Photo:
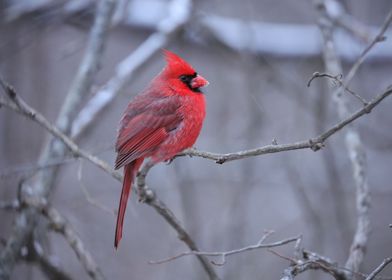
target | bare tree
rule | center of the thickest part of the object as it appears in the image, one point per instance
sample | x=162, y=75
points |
x=36, y=213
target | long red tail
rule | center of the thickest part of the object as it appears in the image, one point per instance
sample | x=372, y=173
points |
x=129, y=174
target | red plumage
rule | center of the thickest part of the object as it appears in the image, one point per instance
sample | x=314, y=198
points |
x=158, y=123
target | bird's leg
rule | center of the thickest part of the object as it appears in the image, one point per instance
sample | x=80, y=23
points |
x=145, y=194
x=170, y=160
x=185, y=152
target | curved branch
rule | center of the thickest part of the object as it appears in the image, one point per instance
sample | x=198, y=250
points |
x=314, y=143
x=223, y=255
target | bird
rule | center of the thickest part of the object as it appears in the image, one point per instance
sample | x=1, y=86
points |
x=161, y=121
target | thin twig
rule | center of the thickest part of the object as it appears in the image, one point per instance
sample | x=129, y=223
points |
x=315, y=75
x=338, y=79
x=224, y=254
x=290, y=259
x=379, y=38
x=379, y=268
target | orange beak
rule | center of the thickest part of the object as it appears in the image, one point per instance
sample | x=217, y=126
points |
x=199, y=82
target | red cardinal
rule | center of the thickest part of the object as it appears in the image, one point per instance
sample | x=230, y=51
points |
x=161, y=121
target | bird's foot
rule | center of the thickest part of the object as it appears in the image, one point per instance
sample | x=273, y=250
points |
x=170, y=160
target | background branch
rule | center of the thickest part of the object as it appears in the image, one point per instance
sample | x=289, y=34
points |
x=353, y=143
x=48, y=265
x=223, y=255
x=60, y=225
x=378, y=269
x=27, y=219
x=336, y=13
x=380, y=37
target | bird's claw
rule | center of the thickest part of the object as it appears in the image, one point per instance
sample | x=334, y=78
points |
x=170, y=160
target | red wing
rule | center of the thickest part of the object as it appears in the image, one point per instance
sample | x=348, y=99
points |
x=142, y=129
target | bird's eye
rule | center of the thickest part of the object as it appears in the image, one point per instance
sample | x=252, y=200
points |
x=187, y=78
x=184, y=78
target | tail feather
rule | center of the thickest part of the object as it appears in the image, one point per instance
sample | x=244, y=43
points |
x=129, y=175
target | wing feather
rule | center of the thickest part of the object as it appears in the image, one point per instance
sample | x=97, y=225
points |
x=143, y=129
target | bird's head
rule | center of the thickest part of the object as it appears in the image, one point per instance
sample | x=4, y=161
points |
x=181, y=76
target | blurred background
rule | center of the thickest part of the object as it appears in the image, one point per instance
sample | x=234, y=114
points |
x=258, y=56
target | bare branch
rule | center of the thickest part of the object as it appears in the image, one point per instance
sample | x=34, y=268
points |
x=353, y=143
x=379, y=268
x=379, y=38
x=26, y=220
x=337, y=14
x=223, y=255
x=90, y=63
x=59, y=224
x=315, y=143
x=179, y=15
x=338, y=80
x=24, y=109
x=311, y=261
